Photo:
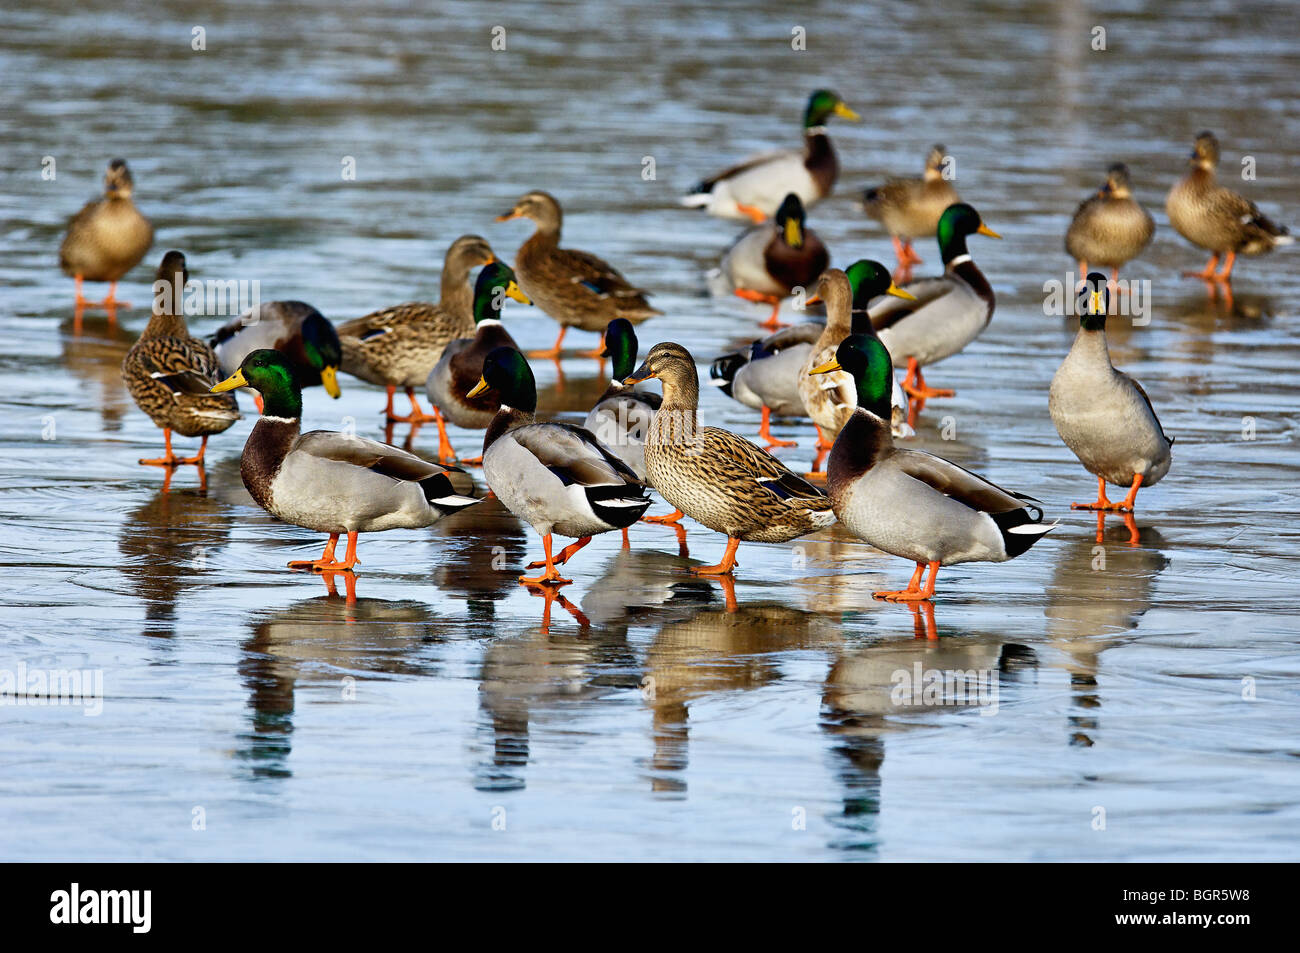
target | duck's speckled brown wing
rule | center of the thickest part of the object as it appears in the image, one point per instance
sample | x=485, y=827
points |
x=170, y=379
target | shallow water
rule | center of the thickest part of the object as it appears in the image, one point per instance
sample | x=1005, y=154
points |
x=439, y=716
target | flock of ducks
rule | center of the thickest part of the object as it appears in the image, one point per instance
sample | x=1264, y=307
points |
x=580, y=481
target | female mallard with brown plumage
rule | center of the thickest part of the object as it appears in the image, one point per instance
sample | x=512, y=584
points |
x=1109, y=228
x=910, y=503
x=556, y=477
x=398, y=346
x=716, y=477
x=452, y=384
x=302, y=334
x=754, y=189
x=335, y=483
x=170, y=374
x=769, y=261
x=107, y=238
x=945, y=314
x=910, y=208
x=574, y=287
x=1216, y=218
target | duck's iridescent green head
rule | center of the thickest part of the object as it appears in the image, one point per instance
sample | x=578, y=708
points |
x=620, y=347
x=790, y=220
x=269, y=373
x=1093, y=302
x=823, y=104
x=324, y=352
x=869, y=280
x=506, y=370
x=495, y=283
x=958, y=221
x=866, y=360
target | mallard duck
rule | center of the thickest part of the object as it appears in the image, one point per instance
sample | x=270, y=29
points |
x=556, y=477
x=1103, y=415
x=910, y=208
x=766, y=375
x=944, y=314
x=107, y=238
x=1110, y=228
x=910, y=503
x=716, y=477
x=295, y=329
x=574, y=287
x=829, y=399
x=335, y=483
x=755, y=188
x=1216, y=218
x=769, y=261
x=398, y=346
x=452, y=384
x=169, y=374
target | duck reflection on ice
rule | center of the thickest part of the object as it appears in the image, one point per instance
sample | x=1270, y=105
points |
x=1096, y=596
x=324, y=641
x=870, y=691
x=96, y=358
x=485, y=545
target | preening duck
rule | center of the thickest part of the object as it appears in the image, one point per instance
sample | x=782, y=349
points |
x=1215, y=218
x=452, y=384
x=335, y=483
x=910, y=208
x=556, y=477
x=945, y=314
x=302, y=334
x=716, y=477
x=107, y=238
x=398, y=346
x=574, y=287
x=1103, y=415
x=1110, y=228
x=910, y=503
x=170, y=374
x=755, y=188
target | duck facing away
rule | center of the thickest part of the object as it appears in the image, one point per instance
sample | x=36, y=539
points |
x=716, y=477
x=398, y=346
x=107, y=238
x=755, y=188
x=453, y=383
x=556, y=477
x=170, y=374
x=944, y=314
x=910, y=208
x=1109, y=228
x=1103, y=415
x=909, y=503
x=302, y=334
x=1213, y=217
x=770, y=260
x=335, y=483
x=574, y=287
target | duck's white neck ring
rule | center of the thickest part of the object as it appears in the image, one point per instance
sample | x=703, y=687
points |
x=959, y=260
x=814, y=131
x=489, y=322
x=280, y=420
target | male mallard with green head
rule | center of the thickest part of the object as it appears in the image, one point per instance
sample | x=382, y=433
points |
x=1221, y=221
x=452, y=384
x=1103, y=415
x=910, y=208
x=910, y=503
x=170, y=374
x=1109, y=228
x=715, y=477
x=335, y=483
x=574, y=287
x=770, y=260
x=398, y=346
x=107, y=238
x=754, y=189
x=302, y=334
x=556, y=477
x=944, y=314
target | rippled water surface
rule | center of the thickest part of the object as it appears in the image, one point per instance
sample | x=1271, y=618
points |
x=1151, y=691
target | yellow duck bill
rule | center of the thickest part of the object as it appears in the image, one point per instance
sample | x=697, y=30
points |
x=479, y=388
x=330, y=381
x=831, y=365
x=236, y=379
